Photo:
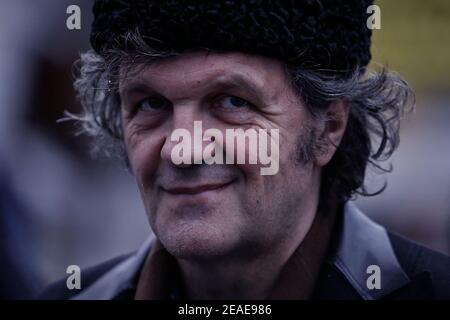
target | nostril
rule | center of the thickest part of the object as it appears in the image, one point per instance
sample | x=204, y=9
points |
x=183, y=165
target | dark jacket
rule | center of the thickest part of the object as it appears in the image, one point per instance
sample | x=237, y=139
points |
x=407, y=270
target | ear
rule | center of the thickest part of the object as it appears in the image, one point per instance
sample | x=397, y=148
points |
x=332, y=130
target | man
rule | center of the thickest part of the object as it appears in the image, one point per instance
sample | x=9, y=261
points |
x=295, y=73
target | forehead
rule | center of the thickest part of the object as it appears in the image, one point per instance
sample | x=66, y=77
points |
x=197, y=69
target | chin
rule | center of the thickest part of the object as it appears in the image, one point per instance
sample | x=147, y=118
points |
x=197, y=240
x=198, y=231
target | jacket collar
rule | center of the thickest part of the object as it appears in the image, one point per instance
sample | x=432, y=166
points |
x=362, y=243
x=119, y=278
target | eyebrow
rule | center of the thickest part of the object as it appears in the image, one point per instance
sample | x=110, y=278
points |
x=234, y=81
x=134, y=86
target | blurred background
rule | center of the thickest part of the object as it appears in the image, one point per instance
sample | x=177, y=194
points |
x=58, y=206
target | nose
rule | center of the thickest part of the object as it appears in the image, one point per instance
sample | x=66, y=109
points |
x=185, y=140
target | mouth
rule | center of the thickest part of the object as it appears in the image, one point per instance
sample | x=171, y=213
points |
x=197, y=189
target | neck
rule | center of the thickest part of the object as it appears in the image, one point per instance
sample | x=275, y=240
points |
x=231, y=279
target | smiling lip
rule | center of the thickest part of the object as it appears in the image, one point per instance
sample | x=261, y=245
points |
x=191, y=190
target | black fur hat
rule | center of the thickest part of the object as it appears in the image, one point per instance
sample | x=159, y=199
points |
x=320, y=34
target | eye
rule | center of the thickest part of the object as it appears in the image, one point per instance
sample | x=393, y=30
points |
x=232, y=102
x=153, y=104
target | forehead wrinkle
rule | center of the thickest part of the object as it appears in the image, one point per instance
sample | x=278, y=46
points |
x=211, y=80
x=252, y=68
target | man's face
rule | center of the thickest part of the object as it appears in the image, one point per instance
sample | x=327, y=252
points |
x=206, y=211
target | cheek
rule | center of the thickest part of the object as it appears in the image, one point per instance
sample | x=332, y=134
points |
x=144, y=155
